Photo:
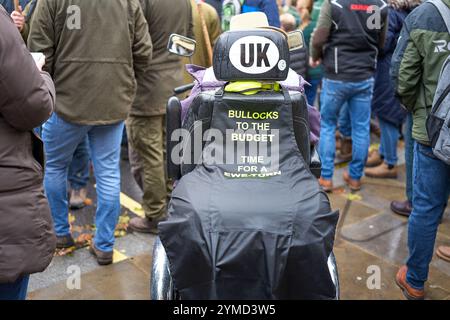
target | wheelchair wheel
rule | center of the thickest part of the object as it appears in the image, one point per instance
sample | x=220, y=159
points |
x=161, y=283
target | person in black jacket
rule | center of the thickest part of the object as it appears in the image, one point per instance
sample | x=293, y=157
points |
x=346, y=41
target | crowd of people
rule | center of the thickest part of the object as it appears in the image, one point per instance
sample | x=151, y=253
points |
x=113, y=75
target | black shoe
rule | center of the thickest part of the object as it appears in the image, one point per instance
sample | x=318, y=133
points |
x=64, y=242
x=103, y=258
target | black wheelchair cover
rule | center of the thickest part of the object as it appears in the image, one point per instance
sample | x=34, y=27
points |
x=261, y=235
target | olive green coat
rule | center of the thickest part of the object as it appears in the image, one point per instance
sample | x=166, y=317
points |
x=95, y=50
x=164, y=17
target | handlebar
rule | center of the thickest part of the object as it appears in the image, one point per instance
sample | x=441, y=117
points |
x=183, y=89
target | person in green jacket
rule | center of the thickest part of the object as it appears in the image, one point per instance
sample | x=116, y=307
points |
x=147, y=122
x=97, y=53
x=79, y=167
x=423, y=46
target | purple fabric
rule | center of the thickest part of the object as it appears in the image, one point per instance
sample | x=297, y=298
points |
x=198, y=73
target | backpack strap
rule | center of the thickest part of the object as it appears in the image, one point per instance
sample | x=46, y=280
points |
x=443, y=10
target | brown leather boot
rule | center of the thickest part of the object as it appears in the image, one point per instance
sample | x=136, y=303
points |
x=103, y=258
x=327, y=185
x=144, y=225
x=382, y=172
x=374, y=159
x=354, y=185
x=403, y=208
x=443, y=252
x=409, y=292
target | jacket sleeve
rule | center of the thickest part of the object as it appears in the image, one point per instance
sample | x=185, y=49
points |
x=322, y=31
x=42, y=37
x=270, y=8
x=384, y=30
x=27, y=98
x=406, y=70
x=142, y=44
x=392, y=32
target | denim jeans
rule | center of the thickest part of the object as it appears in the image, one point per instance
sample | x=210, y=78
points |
x=344, y=122
x=79, y=168
x=61, y=138
x=335, y=94
x=389, y=140
x=311, y=91
x=430, y=195
x=16, y=290
x=409, y=156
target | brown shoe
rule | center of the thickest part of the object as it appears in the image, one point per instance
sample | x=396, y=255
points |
x=78, y=198
x=409, y=292
x=144, y=225
x=374, y=159
x=403, y=208
x=103, y=258
x=64, y=242
x=354, y=185
x=443, y=252
x=327, y=185
x=382, y=171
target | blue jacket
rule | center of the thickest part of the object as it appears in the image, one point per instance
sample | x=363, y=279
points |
x=385, y=104
x=9, y=4
x=269, y=7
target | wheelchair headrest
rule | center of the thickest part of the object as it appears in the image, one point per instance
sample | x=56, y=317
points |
x=257, y=54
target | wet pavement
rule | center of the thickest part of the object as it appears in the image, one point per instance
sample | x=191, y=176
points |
x=371, y=244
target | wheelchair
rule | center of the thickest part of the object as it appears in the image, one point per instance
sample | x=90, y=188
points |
x=258, y=226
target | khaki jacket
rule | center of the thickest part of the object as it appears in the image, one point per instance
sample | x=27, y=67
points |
x=96, y=51
x=164, y=17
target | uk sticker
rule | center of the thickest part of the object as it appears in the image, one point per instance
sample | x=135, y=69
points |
x=254, y=55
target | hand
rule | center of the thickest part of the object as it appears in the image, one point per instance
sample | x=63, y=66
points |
x=314, y=63
x=18, y=19
x=40, y=63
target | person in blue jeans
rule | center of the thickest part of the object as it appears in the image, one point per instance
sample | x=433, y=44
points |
x=61, y=139
x=431, y=190
x=349, y=58
x=415, y=71
x=97, y=73
x=357, y=96
x=386, y=106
